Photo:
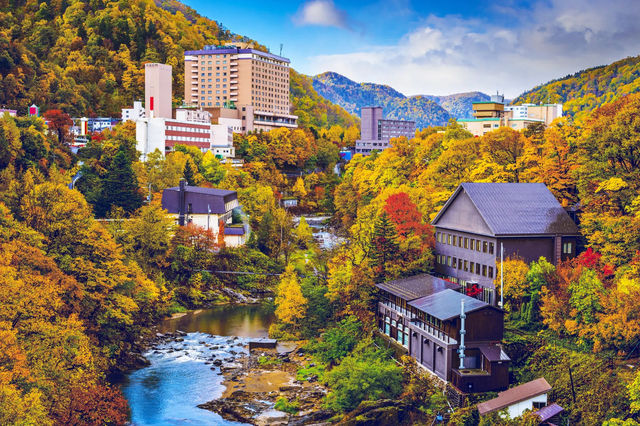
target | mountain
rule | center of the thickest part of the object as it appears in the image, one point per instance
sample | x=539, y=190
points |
x=459, y=104
x=426, y=110
x=590, y=88
x=87, y=58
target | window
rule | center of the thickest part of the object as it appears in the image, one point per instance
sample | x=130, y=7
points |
x=454, y=239
x=455, y=263
x=460, y=242
x=567, y=248
x=472, y=244
x=466, y=266
x=449, y=260
x=438, y=259
x=466, y=242
x=484, y=270
x=438, y=237
x=478, y=245
x=449, y=238
x=471, y=267
x=485, y=246
x=490, y=248
x=477, y=269
x=490, y=271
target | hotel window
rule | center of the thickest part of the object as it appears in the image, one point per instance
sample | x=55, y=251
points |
x=454, y=263
x=485, y=246
x=490, y=271
x=491, y=248
x=460, y=242
x=471, y=267
x=466, y=242
x=449, y=239
x=478, y=245
x=449, y=260
x=484, y=270
x=466, y=266
x=477, y=269
x=454, y=240
x=438, y=236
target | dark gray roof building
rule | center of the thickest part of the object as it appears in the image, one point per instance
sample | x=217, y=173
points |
x=514, y=209
x=200, y=199
x=416, y=286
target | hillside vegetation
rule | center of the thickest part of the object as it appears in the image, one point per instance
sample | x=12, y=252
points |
x=425, y=110
x=87, y=58
x=588, y=89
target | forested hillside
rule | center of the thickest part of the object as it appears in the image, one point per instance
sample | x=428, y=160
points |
x=86, y=58
x=425, y=110
x=588, y=89
x=353, y=96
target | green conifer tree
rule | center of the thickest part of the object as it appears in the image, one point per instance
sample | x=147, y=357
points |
x=119, y=187
x=384, y=246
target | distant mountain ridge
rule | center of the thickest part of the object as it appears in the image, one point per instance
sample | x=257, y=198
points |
x=425, y=110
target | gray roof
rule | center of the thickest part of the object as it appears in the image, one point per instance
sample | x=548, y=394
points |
x=514, y=395
x=516, y=208
x=201, y=199
x=445, y=304
x=417, y=286
x=235, y=230
x=493, y=353
x=545, y=413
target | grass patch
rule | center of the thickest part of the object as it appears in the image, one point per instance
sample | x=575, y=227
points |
x=268, y=361
x=283, y=404
x=304, y=373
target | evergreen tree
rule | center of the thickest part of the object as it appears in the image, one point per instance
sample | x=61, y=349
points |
x=188, y=173
x=384, y=246
x=119, y=186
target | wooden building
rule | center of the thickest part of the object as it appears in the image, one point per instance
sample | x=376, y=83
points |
x=479, y=218
x=423, y=314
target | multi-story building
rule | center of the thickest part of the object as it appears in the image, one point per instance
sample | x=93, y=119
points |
x=165, y=133
x=133, y=114
x=252, y=83
x=454, y=336
x=209, y=208
x=493, y=114
x=480, y=218
x=158, y=90
x=376, y=131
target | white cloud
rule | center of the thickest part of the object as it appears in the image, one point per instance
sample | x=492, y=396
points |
x=451, y=54
x=322, y=13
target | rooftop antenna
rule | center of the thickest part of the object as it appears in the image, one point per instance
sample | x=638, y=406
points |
x=280, y=50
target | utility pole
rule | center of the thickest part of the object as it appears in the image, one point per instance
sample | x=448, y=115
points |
x=501, y=276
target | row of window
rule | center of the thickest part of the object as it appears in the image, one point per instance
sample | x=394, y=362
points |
x=186, y=138
x=465, y=242
x=465, y=265
x=187, y=129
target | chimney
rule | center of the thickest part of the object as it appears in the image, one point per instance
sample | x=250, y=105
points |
x=181, y=202
x=463, y=331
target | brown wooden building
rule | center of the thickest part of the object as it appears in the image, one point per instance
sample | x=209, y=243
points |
x=423, y=314
x=479, y=218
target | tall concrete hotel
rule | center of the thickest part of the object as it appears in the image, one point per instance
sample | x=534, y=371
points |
x=239, y=82
x=376, y=131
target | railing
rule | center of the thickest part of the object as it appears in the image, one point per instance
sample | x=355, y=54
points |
x=432, y=331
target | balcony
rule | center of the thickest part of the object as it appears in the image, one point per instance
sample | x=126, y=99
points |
x=429, y=330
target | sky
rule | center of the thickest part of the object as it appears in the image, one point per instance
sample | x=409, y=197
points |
x=438, y=47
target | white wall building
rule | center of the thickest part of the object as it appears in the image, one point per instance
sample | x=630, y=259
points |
x=133, y=114
x=515, y=401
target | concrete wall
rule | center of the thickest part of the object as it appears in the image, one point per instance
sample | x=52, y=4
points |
x=517, y=409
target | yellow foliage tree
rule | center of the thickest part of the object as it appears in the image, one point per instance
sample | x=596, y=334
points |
x=291, y=305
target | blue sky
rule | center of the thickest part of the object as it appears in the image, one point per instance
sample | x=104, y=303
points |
x=439, y=47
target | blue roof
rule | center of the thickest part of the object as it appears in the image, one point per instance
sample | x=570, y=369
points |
x=446, y=305
x=516, y=208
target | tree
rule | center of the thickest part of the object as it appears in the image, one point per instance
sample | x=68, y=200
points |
x=539, y=275
x=290, y=303
x=303, y=232
x=119, y=186
x=384, y=246
x=59, y=123
x=339, y=340
x=189, y=174
x=299, y=190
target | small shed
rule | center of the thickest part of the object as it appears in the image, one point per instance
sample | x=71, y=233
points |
x=527, y=396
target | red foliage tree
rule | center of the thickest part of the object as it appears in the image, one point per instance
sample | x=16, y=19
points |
x=92, y=405
x=59, y=123
x=407, y=218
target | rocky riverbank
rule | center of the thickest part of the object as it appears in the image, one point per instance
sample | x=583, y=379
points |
x=257, y=381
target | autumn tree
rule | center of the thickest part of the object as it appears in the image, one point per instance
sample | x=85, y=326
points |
x=291, y=305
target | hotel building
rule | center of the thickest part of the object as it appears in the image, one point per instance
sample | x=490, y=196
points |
x=376, y=131
x=250, y=84
x=493, y=114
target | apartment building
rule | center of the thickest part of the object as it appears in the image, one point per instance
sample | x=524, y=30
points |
x=252, y=83
x=480, y=218
x=158, y=90
x=376, y=131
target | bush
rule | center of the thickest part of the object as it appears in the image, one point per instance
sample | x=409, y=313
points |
x=367, y=374
x=283, y=404
x=338, y=341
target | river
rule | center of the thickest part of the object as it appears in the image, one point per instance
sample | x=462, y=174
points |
x=181, y=374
